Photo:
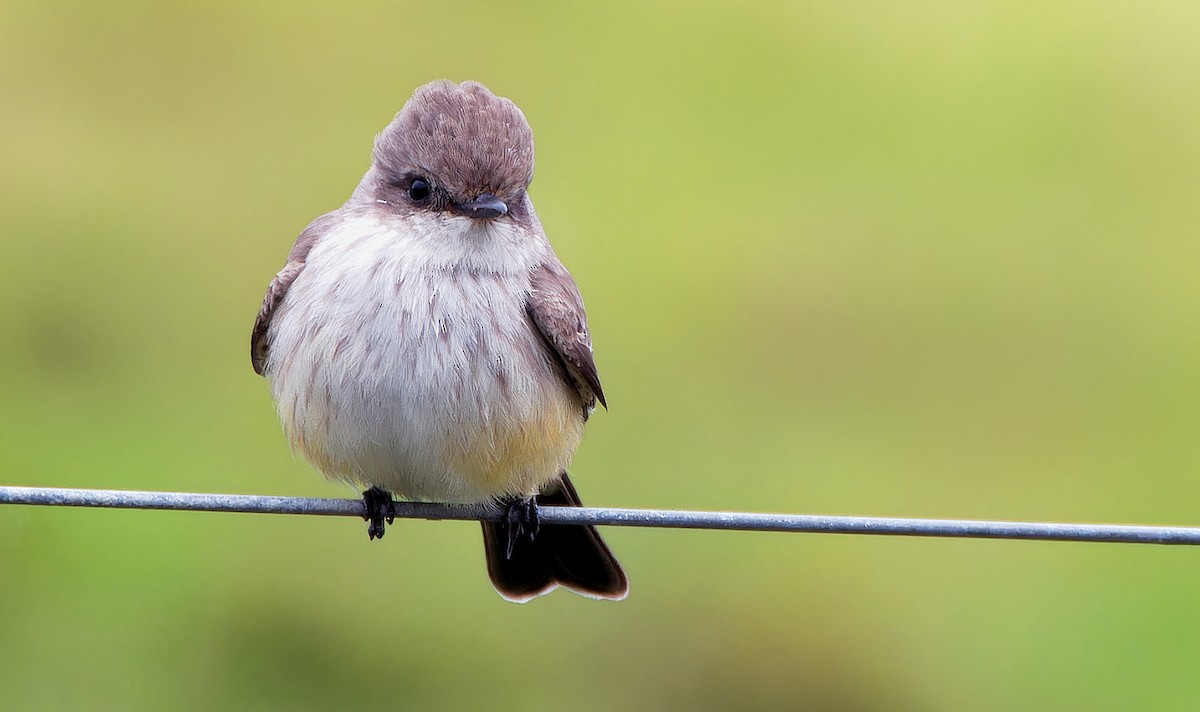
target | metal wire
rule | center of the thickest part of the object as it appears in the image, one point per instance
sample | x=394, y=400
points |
x=744, y=521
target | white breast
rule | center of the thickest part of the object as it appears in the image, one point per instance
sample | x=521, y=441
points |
x=404, y=359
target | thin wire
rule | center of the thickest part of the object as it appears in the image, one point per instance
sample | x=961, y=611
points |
x=744, y=521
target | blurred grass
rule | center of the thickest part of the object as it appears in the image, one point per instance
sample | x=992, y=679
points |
x=917, y=259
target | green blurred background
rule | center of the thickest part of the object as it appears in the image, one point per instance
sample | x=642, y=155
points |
x=914, y=259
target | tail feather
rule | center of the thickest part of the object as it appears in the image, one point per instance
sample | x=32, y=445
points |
x=559, y=555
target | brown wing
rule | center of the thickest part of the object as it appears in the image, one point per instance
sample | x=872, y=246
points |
x=556, y=310
x=259, y=346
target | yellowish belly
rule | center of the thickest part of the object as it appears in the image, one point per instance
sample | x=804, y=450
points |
x=519, y=457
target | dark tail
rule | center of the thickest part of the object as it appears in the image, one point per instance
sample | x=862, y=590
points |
x=560, y=555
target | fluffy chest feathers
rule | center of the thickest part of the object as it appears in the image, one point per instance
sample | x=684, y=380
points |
x=405, y=359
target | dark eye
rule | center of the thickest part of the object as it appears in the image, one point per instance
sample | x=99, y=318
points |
x=418, y=189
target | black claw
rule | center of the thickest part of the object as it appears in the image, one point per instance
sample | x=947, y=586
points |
x=378, y=509
x=521, y=516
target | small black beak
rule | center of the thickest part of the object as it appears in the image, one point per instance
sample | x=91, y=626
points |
x=485, y=206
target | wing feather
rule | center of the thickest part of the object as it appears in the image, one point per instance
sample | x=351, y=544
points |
x=277, y=290
x=556, y=310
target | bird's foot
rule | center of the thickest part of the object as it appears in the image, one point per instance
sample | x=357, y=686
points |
x=521, y=516
x=378, y=510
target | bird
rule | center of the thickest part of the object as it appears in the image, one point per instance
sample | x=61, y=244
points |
x=424, y=341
